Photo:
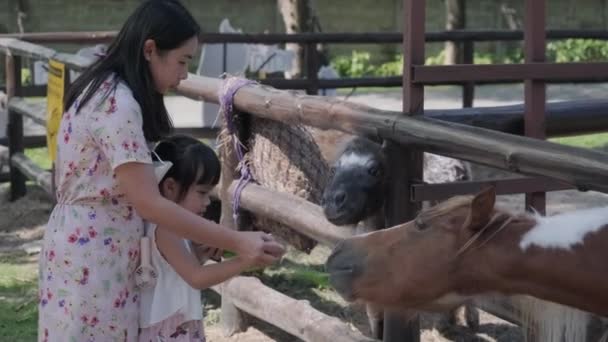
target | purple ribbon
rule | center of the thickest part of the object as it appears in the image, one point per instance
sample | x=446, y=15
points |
x=226, y=93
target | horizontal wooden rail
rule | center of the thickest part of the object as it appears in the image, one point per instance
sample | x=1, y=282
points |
x=34, y=111
x=433, y=192
x=25, y=49
x=33, y=172
x=296, y=317
x=333, y=37
x=29, y=141
x=551, y=72
x=74, y=62
x=293, y=211
x=582, y=168
x=563, y=118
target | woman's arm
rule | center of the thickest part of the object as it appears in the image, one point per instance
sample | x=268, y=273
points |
x=139, y=184
x=185, y=264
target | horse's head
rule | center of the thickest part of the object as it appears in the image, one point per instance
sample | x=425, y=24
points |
x=416, y=264
x=357, y=187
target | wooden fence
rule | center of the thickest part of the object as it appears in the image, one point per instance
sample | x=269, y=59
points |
x=566, y=166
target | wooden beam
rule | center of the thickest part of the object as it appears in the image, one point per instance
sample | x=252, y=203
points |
x=15, y=125
x=296, y=317
x=535, y=89
x=34, y=111
x=293, y=211
x=32, y=171
x=563, y=118
x=551, y=72
x=24, y=49
x=89, y=37
x=405, y=162
x=29, y=141
x=434, y=192
x=72, y=61
x=582, y=168
x=64, y=37
x=232, y=319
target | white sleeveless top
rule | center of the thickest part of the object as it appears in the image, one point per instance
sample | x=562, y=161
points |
x=171, y=294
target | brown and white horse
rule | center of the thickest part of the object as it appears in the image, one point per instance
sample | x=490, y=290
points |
x=466, y=246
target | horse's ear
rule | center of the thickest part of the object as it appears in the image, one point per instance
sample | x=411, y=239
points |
x=481, y=209
x=384, y=146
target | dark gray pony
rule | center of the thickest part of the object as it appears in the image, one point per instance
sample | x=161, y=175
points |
x=355, y=193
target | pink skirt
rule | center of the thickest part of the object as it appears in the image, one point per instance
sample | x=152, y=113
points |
x=173, y=329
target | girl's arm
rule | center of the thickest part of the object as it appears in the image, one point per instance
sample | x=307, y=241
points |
x=138, y=182
x=185, y=264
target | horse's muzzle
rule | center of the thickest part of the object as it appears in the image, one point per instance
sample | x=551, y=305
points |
x=344, y=265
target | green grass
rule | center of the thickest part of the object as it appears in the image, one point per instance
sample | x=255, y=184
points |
x=40, y=156
x=297, y=275
x=18, y=299
x=598, y=140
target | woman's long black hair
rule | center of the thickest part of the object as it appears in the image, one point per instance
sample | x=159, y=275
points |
x=169, y=24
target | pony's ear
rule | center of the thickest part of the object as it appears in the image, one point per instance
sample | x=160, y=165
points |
x=481, y=209
x=384, y=146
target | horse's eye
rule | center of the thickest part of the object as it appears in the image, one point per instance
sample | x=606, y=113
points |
x=420, y=225
x=374, y=170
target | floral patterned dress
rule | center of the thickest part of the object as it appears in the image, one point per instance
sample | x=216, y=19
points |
x=91, y=243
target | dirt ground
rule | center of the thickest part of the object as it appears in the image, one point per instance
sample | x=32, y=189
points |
x=22, y=226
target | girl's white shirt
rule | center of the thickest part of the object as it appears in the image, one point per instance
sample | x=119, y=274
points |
x=170, y=294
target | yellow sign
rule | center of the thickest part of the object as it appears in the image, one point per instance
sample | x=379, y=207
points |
x=54, y=104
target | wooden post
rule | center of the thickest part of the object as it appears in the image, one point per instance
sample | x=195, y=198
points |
x=534, y=91
x=15, y=125
x=312, y=66
x=468, y=89
x=233, y=320
x=405, y=163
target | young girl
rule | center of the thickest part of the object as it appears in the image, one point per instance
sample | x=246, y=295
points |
x=170, y=309
x=106, y=185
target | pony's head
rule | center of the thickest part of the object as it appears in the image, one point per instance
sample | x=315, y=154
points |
x=357, y=187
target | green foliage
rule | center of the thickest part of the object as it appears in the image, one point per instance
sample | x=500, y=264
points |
x=26, y=77
x=391, y=68
x=577, y=50
x=356, y=65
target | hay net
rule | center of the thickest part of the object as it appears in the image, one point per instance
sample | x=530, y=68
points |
x=280, y=156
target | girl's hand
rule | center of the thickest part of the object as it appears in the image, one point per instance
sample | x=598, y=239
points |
x=260, y=248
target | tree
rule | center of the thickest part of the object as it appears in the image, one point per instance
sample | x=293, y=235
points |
x=298, y=16
x=455, y=19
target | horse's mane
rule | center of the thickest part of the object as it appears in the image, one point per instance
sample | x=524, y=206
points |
x=447, y=206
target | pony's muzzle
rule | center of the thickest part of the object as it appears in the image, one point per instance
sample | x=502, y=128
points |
x=344, y=265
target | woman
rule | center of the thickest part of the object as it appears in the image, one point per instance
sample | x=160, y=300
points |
x=106, y=185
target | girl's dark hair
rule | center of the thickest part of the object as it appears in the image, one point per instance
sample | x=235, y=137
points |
x=193, y=162
x=169, y=24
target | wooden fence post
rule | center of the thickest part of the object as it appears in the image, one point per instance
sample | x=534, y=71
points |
x=233, y=320
x=312, y=67
x=231, y=317
x=15, y=125
x=468, y=89
x=406, y=163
